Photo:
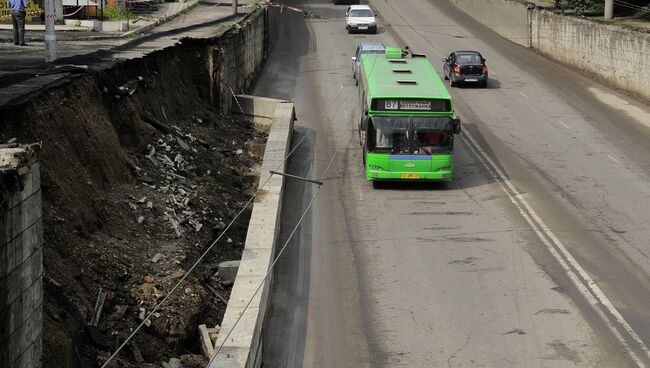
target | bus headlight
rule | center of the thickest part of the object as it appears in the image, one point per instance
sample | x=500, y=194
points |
x=376, y=168
x=444, y=168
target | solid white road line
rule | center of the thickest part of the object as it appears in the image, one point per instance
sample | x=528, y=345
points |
x=587, y=286
x=564, y=125
x=615, y=160
x=526, y=97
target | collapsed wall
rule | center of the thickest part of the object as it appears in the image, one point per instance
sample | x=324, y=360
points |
x=91, y=126
x=611, y=52
x=21, y=259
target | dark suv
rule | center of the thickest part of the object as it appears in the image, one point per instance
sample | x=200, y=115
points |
x=465, y=66
x=337, y=2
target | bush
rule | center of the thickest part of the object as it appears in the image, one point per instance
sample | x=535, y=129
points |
x=115, y=12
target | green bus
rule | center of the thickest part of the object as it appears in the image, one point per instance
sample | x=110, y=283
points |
x=407, y=122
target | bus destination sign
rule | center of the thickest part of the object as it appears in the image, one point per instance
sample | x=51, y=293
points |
x=411, y=104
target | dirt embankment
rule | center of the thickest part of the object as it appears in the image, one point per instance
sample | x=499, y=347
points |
x=139, y=173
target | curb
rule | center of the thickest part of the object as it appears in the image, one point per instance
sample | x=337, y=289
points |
x=244, y=345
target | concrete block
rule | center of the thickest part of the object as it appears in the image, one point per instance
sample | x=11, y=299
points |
x=228, y=270
x=242, y=335
x=244, y=291
x=255, y=262
x=242, y=348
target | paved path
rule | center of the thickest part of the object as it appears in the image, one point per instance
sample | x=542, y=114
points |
x=23, y=70
x=454, y=275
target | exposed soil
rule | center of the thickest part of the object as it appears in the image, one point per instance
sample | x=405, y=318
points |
x=137, y=182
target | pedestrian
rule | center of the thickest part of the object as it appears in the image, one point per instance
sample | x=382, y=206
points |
x=18, y=15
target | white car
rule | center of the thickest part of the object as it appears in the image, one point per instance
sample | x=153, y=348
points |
x=360, y=18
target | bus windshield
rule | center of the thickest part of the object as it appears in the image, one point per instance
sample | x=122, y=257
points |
x=406, y=135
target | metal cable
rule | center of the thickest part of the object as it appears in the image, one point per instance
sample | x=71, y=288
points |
x=200, y=259
x=284, y=246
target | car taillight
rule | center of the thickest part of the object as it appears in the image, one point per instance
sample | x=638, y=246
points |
x=484, y=69
x=456, y=69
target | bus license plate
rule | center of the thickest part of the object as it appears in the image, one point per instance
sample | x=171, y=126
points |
x=409, y=176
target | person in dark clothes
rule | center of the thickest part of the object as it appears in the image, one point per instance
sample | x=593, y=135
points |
x=18, y=14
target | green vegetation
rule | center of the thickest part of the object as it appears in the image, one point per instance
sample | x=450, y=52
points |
x=115, y=12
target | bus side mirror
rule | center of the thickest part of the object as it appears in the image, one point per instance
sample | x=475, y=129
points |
x=457, y=126
x=364, y=123
x=354, y=58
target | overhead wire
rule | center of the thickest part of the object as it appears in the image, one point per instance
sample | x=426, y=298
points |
x=211, y=246
x=284, y=246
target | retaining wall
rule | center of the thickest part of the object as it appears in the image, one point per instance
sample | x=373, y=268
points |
x=240, y=56
x=613, y=53
x=21, y=259
x=616, y=54
x=243, y=348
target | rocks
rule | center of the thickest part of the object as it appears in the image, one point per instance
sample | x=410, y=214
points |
x=156, y=258
x=228, y=271
x=173, y=363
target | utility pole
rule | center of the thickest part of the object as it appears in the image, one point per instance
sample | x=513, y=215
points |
x=609, y=9
x=50, y=37
x=234, y=7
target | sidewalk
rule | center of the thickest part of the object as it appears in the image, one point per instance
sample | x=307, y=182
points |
x=23, y=69
x=94, y=29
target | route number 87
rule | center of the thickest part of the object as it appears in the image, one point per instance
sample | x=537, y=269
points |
x=392, y=105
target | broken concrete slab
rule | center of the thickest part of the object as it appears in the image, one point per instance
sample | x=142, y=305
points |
x=228, y=271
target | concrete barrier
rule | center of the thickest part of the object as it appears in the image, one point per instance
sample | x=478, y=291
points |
x=243, y=347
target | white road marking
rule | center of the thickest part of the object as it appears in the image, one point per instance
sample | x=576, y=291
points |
x=615, y=160
x=564, y=125
x=588, y=288
x=524, y=95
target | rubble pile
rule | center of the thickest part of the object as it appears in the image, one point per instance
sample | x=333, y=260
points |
x=189, y=182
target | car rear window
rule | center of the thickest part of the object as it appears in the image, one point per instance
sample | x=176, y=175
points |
x=361, y=13
x=468, y=58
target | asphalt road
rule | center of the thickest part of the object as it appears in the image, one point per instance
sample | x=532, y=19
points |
x=535, y=256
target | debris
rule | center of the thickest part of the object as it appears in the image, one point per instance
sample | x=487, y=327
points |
x=197, y=225
x=99, y=305
x=173, y=363
x=142, y=200
x=137, y=355
x=228, y=271
x=147, y=278
x=142, y=314
x=188, y=290
x=149, y=205
x=140, y=219
x=96, y=336
x=207, y=346
x=183, y=144
x=239, y=151
x=156, y=258
x=217, y=294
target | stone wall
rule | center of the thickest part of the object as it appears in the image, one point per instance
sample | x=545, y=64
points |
x=21, y=259
x=241, y=55
x=616, y=54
